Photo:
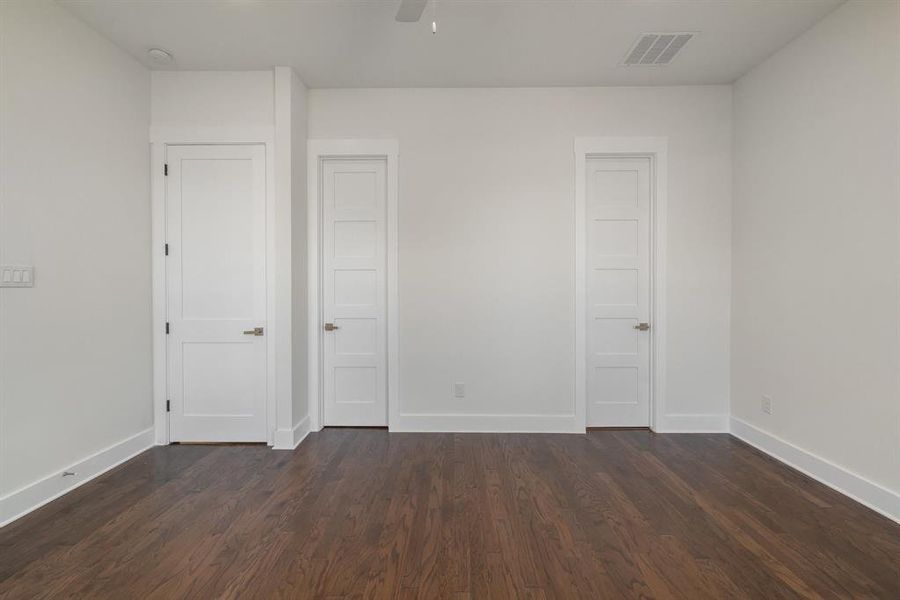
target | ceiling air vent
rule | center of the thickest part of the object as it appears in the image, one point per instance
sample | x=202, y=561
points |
x=656, y=48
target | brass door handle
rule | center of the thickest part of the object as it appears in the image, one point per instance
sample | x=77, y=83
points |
x=642, y=326
x=254, y=331
x=331, y=327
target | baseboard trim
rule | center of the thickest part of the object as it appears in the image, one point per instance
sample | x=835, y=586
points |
x=860, y=489
x=31, y=497
x=289, y=439
x=468, y=423
x=693, y=423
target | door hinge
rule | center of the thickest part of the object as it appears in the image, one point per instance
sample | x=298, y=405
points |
x=167, y=249
x=167, y=328
x=166, y=169
x=168, y=406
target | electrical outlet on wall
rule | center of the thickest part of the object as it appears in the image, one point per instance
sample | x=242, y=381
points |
x=459, y=390
x=767, y=404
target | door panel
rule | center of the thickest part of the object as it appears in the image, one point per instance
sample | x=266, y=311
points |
x=216, y=290
x=618, y=237
x=354, y=197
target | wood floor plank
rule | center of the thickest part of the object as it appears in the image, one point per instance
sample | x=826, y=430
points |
x=368, y=514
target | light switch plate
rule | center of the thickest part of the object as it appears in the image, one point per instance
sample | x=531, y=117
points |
x=16, y=276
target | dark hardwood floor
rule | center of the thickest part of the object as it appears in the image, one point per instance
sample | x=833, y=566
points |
x=367, y=514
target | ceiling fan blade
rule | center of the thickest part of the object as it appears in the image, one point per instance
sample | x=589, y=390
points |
x=410, y=11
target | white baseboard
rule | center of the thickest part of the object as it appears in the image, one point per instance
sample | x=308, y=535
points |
x=24, y=500
x=678, y=423
x=693, y=423
x=288, y=439
x=868, y=493
x=463, y=423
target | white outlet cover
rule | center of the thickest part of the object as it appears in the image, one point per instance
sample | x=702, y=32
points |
x=459, y=390
x=16, y=276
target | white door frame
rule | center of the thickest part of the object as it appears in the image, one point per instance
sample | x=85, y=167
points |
x=656, y=149
x=318, y=150
x=160, y=138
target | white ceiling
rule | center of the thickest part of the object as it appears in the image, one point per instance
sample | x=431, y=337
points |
x=357, y=43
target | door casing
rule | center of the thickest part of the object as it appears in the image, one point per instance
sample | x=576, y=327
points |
x=656, y=149
x=319, y=150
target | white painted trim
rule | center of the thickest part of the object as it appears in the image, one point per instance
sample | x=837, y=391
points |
x=274, y=328
x=31, y=497
x=474, y=423
x=289, y=439
x=317, y=149
x=692, y=423
x=211, y=135
x=657, y=150
x=860, y=489
x=158, y=290
x=161, y=137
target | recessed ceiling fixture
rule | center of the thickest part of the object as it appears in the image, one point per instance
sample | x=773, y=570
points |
x=656, y=48
x=160, y=56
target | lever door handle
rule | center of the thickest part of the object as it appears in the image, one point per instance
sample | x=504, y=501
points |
x=331, y=327
x=642, y=326
x=254, y=331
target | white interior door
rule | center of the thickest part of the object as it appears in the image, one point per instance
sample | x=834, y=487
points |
x=216, y=292
x=354, y=194
x=618, y=286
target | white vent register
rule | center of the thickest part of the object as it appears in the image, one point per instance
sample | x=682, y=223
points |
x=16, y=276
x=656, y=48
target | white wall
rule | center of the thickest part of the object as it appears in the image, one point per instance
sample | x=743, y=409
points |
x=74, y=202
x=205, y=99
x=486, y=239
x=290, y=173
x=816, y=262
x=299, y=252
x=283, y=147
x=816, y=313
